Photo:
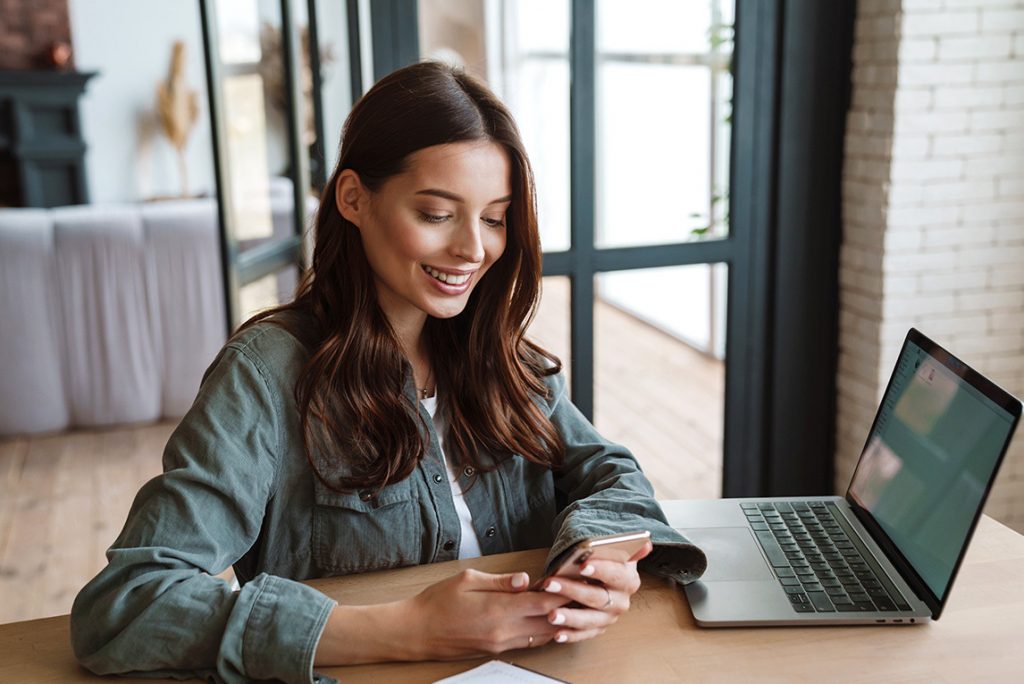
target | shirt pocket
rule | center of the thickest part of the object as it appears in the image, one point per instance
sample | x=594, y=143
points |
x=356, y=532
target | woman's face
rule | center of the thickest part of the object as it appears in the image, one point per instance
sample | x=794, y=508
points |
x=431, y=232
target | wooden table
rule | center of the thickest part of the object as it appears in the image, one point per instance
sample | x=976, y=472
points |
x=977, y=639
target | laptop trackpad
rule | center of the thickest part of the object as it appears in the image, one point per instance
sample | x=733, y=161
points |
x=733, y=554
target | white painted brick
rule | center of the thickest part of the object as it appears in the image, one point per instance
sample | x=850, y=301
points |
x=1003, y=119
x=953, y=281
x=936, y=74
x=859, y=258
x=902, y=283
x=950, y=325
x=876, y=27
x=918, y=49
x=916, y=304
x=948, y=237
x=1008, y=322
x=988, y=4
x=911, y=99
x=922, y=216
x=877, y=51
x=967, y=144
x=989, y=255
x=987, y=344
x=1002, y=363
x=990, y=301
x=903, y=240
x=926, y=170
x=1013, y=95
x=909, y=6
x=1011, y=275
x=949, y=121
x=1011, y=235
x=1012, y=187
x=868, y=145
x=1000, y=210
x=943, y=193
x=863, y=216
x=1009, y=71
x=968, y=97
x=1013, y=142
x=941, y=23
x=1018, y=45
x=912, y=263
x=992, y=166
x=999, y=20
x=873, y=100
x=908, y=146
x=957, y=48
x=879, y=74
x=906, y=194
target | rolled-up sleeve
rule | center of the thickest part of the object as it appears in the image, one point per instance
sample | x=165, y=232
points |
x=157, y=607
x=606, y=492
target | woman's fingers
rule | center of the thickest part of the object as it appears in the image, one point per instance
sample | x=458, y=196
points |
x=617, y=576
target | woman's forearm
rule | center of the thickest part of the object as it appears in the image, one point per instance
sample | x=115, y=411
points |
x=369, y=634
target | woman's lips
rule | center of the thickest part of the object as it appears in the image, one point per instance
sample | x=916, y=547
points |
x=448, y=282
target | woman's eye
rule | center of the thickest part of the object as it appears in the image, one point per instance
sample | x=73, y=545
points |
x=433, y=218
x=494, y=223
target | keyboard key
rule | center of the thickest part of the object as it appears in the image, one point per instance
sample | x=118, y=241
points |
x=884, y=603
x=852, y=608
x=803, y=607
x=748, y=506
x=821, y=602
x=794, y=589
x=772, y=549
x=798, y=598
x=766, y=506
x=759, y=527
x=785, y=572
x=842, y=601
x=814, y=586
x=789, y=581
x=836, y=591
x=783, y=506
x=831, y=583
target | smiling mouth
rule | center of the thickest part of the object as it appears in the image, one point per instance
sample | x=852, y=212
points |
x=447, y=278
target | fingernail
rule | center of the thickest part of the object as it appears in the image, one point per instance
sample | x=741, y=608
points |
x=519, y=580
x=587, y=570
x=558, y=619
x=553, y=587
x=561, y=638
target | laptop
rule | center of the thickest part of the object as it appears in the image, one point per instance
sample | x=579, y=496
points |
x=888, y=551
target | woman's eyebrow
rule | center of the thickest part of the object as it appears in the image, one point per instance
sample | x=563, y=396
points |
x=458, y=198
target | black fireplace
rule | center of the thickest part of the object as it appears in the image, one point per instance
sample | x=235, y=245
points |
x=42, y=153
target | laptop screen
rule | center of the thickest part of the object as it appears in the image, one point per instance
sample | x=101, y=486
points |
x=930, y=457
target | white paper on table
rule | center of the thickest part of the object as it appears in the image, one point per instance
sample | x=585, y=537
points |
x=498, y=672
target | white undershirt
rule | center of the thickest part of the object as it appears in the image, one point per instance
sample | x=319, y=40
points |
x=469, y=545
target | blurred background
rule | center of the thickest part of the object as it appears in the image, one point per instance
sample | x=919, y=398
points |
x=744, y=205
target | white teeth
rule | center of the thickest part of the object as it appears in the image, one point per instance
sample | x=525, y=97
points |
x=449, y=278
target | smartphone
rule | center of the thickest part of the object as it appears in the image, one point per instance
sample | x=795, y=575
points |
x=616, y=547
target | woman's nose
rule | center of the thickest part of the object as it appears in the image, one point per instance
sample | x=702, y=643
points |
x=467, y=243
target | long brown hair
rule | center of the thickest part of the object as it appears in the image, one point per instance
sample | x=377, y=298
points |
x=357, y=415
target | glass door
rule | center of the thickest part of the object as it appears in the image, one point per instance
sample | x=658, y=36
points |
x=264, y=125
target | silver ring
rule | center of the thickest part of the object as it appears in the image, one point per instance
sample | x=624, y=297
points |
x=609, y=601
x=529, y=642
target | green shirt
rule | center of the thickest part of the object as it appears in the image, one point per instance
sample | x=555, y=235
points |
x=238, y=490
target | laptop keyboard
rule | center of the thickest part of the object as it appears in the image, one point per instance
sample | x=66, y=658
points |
x=819, y=561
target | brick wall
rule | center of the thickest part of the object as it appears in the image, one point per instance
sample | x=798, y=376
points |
x=933, y=194
x=28, y=28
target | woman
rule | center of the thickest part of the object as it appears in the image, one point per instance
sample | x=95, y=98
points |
x=394, y=414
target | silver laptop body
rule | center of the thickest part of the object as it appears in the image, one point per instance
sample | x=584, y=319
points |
x=886, y=553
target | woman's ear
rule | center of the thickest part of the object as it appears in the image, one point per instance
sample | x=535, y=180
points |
x=351, y=197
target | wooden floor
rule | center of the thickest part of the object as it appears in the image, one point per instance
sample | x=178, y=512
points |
x=64, y=498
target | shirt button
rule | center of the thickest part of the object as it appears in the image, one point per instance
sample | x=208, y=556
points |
x=437, y=478
x=469, y=471
x=365, y=495
x=490, y=532
x=449, y=545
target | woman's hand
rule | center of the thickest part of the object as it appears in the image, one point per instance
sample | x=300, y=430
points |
x=469, y=614
x=474, y=612
x=598, y=602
